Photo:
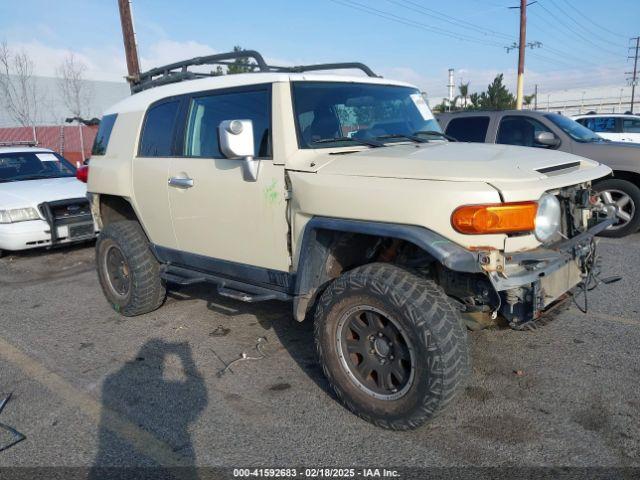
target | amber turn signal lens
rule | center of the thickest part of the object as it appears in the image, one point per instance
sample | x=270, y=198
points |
x=495, y=218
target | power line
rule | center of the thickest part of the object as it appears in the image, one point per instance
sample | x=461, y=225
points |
x=570, y=28
x=416, y=7
x=554, y=35
x=594, y=23
x=596, y=35
x=413, y=23
x=451, y=34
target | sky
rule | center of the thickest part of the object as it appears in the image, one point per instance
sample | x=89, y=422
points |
x=583, y=42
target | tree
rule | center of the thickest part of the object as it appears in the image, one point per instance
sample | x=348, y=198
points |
x=463, y=88
x=76, y=92
x=442, y=106
x=18, y=90
x=240, y=65
x=497, y=96
x=528, y=99
x=474, y=100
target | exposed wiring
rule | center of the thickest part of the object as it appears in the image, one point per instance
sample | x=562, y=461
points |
x=244, y=356
x=592, y=277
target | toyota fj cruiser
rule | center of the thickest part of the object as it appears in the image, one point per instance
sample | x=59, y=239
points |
x=341, y=194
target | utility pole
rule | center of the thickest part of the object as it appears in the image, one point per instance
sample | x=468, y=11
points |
x=535, y=97
x=634, y=75
x=451, y=86
x=521, y=48
x=129, y=38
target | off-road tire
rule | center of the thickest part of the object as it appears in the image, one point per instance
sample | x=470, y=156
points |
x=434, y=328
x=146, y=291
x=633, y=192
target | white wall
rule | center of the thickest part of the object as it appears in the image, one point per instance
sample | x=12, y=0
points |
x=52, y=111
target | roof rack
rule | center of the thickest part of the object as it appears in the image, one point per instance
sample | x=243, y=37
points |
x=19, y=143
x=178, y=71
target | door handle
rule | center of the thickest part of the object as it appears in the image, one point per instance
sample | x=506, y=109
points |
x=181, y=182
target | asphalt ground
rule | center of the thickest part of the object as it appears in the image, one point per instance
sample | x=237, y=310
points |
x=93, y=389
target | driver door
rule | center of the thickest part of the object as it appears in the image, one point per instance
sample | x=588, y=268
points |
x=221, y=221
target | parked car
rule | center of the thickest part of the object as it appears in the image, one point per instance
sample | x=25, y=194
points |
x=614, y=127
x=340, y=194
x=555, y=132
x=41, y=202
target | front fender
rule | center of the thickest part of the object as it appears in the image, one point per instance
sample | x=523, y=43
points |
x=315, y=250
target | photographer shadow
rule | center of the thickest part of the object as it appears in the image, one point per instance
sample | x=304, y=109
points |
x=162, y=393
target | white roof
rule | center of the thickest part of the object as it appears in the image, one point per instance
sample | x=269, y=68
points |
x=140, y=101
x=594, y=115
x=22, y=149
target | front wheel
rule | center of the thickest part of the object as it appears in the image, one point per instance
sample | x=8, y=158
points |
x=626, y=197
x=391, y=345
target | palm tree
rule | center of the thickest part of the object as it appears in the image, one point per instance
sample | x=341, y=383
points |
x=463, y=88
x=528, y=99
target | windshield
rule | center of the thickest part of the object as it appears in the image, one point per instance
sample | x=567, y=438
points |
x=572, y=128
x=332, y=114
x=18, y=166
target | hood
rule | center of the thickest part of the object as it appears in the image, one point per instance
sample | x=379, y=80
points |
x=460, y=162
x=30, y=193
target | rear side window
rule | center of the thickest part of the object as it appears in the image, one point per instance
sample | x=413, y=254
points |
x=631, y=125
x=157, y=134
x=206, y=113
x=104, y=133
x=600, y=124
x=468, y=129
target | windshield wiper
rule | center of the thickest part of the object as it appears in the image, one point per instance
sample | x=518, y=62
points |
x=361, y=141
x=413, y=138
x=435, y=133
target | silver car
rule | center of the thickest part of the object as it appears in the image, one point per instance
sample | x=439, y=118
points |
x=553, y=131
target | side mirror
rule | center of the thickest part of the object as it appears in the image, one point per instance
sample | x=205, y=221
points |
x=547, y=139
x=236, y=143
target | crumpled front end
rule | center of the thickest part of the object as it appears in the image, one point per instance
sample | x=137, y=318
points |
x=528, y=283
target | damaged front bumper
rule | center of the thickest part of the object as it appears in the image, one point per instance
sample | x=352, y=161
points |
x=527, y=283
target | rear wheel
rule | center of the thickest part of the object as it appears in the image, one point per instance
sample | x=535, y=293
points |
x=129, y=273
x=626, y=197
x=391, y=345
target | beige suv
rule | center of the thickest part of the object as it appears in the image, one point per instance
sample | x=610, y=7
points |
x=340, y=194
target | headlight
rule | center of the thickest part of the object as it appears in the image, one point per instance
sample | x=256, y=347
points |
x=18, y=215
x=548, y=218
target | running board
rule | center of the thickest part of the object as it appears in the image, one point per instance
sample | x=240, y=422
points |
x=234, y=289
x=179, y=280
x=244, y=296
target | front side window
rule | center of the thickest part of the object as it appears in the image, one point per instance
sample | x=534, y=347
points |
x=104, y=134
x=572, y=128
x=631, y=125
x=468, y=129
x=158, y=131
x=328, y=114
x=15, y=167
x=207, y=112
x=520, y=130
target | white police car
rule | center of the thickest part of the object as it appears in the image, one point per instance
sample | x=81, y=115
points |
x=41, y=201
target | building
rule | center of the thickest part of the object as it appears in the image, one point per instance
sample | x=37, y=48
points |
x=574, y=101
x=52, y=110
x=71, y=140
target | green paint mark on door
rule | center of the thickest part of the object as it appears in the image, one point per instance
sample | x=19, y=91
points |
x=270, y=193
